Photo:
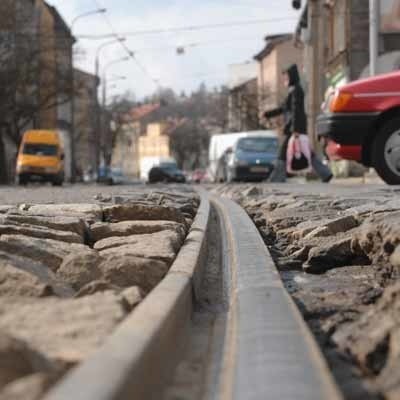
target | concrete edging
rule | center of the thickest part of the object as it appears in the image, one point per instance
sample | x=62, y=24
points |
x=138, y=358
x=270, y=352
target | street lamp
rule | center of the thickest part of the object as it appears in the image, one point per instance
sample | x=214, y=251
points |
x=96, y=136
x=110, y=64
x=87, y=14
x=72, y=77
x=103, y=46
x=104, y=99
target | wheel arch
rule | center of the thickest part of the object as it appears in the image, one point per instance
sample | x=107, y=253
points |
x=369, y=139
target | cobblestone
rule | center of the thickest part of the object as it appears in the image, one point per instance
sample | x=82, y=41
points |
x=74, y=263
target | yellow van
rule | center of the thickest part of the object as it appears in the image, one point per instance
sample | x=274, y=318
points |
x=41, y=157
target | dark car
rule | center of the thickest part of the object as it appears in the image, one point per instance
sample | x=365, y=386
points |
x=166, y=172
x=252, y=158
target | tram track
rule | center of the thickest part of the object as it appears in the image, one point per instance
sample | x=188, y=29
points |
x=219, y=326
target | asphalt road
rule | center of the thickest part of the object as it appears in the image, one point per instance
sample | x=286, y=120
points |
x=86, y=193
x=79, y=193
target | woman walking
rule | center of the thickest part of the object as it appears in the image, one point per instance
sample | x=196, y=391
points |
x=293, y=110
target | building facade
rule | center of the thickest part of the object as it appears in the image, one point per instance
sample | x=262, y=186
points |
x=243, y=107
x=34, y=94
x=334, y=38
x=126, y=153
x=278, y=53
x=86, y=135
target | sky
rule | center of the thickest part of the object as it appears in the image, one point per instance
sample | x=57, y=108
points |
x=157, y=62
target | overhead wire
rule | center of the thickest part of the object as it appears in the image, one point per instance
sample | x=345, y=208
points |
x=128, y=51
x=187, y=28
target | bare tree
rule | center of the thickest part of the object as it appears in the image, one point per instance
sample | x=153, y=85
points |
x=31, y=82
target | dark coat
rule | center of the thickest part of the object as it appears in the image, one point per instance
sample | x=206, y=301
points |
x=293, y=108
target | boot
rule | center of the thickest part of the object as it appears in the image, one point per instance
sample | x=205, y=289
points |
x=322, y=170
x=278, y=175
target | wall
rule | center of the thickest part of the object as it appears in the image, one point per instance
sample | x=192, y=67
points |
x=154, y=143
x=47, y=118
x=85, y=124
x=126, y=150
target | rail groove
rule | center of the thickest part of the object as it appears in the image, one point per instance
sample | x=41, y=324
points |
x=138, y=358
x=269, y=351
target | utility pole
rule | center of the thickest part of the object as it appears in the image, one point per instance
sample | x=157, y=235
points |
x=72, y=78
x=374, y=14
x=98, y=117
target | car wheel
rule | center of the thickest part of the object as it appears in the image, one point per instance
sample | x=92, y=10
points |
x=21, y=180
x=386, y=152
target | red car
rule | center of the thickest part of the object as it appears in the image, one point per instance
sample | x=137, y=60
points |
x=362, y=123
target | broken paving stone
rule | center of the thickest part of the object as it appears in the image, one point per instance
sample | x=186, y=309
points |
x=378, y=237
x=395, y=257
x=89, y=212
x=323, y=258
x=24, y=277
x=132, y=212
x=100, y=285
x=373, y=340
x=46, y=251
x=333, y=227
x=64, y=330
x=101, y=231
x=5, y=208
x=162, y=245
x=60, y=223
x=15, y=282
x=132, y=297
x=40, y=233
x=78, y=270
x=31, y=387
x=17, y=359
x=124, y=270
x=252, y=191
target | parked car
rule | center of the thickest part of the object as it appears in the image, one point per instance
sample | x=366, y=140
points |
x=40, y=157
x=252, y=158
x=167, y=172
x=361, y=122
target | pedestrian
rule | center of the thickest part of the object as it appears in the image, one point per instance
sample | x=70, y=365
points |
x=293, y=110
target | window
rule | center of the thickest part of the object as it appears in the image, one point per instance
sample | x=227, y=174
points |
x=38, y=149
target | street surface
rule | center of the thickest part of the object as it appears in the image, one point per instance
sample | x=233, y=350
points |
x=77, y=260
x=337, y=249
x=74, y=262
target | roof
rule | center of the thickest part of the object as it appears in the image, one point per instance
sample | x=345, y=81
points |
x=271, y=42
x=84, y=75
x=244, y=85
x=140, y=112
x=59, y=21
x=303, y=22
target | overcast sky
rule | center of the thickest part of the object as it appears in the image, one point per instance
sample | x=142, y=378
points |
x=205, y=63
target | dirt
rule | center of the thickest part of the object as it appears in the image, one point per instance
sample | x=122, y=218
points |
x=343, y=277
x=61, y=293
x=195, y=376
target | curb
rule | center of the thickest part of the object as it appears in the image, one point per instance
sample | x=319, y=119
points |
x=138, y=358
x=269, y=351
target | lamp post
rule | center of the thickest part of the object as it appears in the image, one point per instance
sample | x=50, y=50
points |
x=374, y=6
x=72, y=78
x=98, y=128
x=103, y=130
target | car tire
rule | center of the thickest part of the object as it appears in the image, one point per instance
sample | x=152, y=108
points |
x=385, y=154
x=21, y=180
